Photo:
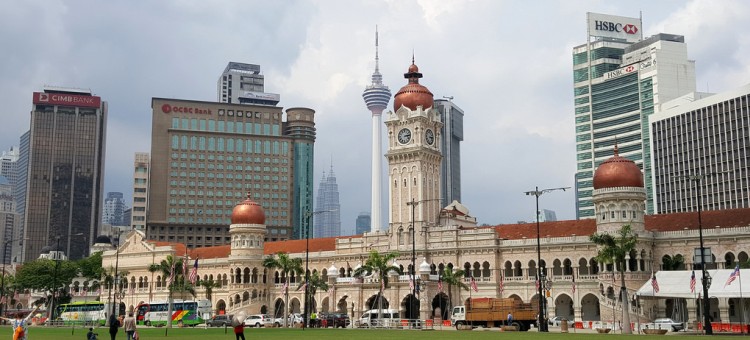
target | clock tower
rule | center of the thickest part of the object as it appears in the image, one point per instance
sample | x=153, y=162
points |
x=414, y=161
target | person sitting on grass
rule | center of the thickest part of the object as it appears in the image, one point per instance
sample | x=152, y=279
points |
x=91, y=335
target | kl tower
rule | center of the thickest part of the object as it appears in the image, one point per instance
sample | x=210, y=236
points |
x=376, y=97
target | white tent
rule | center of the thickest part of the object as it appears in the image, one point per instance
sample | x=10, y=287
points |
x=676, y=284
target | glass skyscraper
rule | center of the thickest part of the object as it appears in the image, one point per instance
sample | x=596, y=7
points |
x=327, y=220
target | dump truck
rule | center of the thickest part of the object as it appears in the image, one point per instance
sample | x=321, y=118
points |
x=493, y=312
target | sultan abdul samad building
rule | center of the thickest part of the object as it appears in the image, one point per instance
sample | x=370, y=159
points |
x=448, y=236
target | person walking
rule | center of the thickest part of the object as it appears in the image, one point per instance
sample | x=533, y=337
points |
x=510, y=318
x=114, y=325
x=20, y=325
x=239, y=331
x=129, y=325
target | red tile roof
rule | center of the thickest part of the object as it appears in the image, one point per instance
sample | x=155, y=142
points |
x=299, y=246
x=179, y=248
x=214, y=252
x=551, y=229
x=728, y=218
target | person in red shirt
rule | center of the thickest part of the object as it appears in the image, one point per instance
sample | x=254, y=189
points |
x=239, y=331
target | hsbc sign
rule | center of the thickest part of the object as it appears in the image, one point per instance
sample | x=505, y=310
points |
x=611, y=26
x=44, y=98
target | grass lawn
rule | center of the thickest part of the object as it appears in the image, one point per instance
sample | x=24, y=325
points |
x=42, y=333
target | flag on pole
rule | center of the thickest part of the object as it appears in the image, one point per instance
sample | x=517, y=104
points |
x=501, y=287
x=692, y=282
x=285, y=287
x=411, y=283
x=440, y=283
x=194, y=273
x=654, y=284
x=537, y=283
x=474, y=285
x=171, y=274
x=735, y=274
x=301, y=287
x=185, y=266
x=574, y=284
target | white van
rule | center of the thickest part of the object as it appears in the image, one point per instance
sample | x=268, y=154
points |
x=385, y=318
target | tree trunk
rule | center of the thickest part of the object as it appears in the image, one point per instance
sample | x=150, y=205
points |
x=286, y=303
x=625, y=309
x=169, y=308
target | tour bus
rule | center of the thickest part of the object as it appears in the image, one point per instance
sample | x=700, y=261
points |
x=84, y=313
x=184, y=313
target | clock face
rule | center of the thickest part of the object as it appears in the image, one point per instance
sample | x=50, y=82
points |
x=404, y=136
x=429, y=137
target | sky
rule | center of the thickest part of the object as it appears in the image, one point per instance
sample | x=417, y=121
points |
x=507, y=64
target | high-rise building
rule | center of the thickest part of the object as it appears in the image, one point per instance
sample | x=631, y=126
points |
x=243, y=84
x=327, y=220
x=19, y=195
x=141, y=169
x=8, y=219
x=450, y=145
x=546, y=215
x=619, y=79
x=700, y=147
x=8, y=163
x=376, y=97
x=66, y=162
x=114, y=206
x=363, y=223
x=207, y=156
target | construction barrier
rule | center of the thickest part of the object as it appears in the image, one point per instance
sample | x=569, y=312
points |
x=428, y=322
x=404, y=323
x=447, y=323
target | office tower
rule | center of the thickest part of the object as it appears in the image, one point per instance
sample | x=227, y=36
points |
x=207, y=156
x=707, y=138
x=450, y=145
x=8, y=219
x=327, y=220
x=546, y=215
x=19, y=195
x=141, y=169
x=114, y=207
x=616, y=89
x=8, y=163
x=363, y=223
x=127, y=217
x=243, y=84
x=376, y=98
x=66, y=160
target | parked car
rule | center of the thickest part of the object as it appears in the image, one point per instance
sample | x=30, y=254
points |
x=273, y=322
x=220, y=321
x=667, y=323
x=337, y=320
x=256, y=320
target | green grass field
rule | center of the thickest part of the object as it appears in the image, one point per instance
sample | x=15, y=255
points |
x=42, y=333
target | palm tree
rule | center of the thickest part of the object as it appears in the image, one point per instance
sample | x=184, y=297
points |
x=166, y=266
x=381, y=265
x=209, y=286
x=316, y=282
x=614, y=250
x=152, y=268
x=453, y=278
x=287, y=265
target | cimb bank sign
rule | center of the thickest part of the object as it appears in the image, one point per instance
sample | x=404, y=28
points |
x=612, y=26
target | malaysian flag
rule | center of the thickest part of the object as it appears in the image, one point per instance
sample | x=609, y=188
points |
x=285, y=287
x=474, y=285
x=574, y=284
x=654, y=284
x=440, y=283
x=501, y=287
x=537, y=283
x=185, y=266
x=194, y=273
x=735, y=274
x=692, y=282
x=411, y=283
x=301, y=287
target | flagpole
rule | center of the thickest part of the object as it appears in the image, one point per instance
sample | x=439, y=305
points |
x=742, y=305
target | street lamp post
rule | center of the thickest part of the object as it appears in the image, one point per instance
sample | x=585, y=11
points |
x=308, y=215
x=542, y=324
x=115, y=276
x=413, y=203
x=706, y=280
x=54, y=280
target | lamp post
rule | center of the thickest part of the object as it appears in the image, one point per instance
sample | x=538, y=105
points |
x=309, y=214
x=413, y=272
x=706, y=279
x=115, y=277
x=54, y=280
x=542, y=323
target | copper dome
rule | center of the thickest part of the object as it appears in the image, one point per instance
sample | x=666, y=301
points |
x=413, y=94
x=248, y=212
x=618, y=172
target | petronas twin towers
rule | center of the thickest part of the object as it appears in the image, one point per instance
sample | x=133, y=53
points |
x=327, y=219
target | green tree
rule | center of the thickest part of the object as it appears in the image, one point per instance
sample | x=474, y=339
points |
x=48, y=276
x=286, y=265
x=209, y=286
x=453, y=278
x=381, y=265
x=178, y=283
x=91, y=267
x=316, y=282
x=614, y=250
x=153, y=268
